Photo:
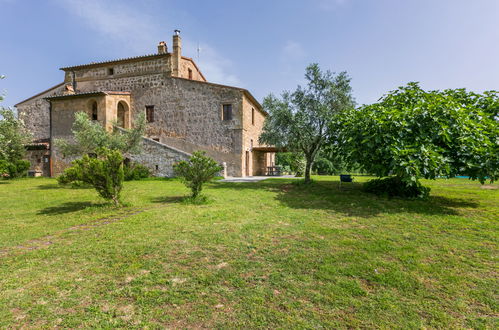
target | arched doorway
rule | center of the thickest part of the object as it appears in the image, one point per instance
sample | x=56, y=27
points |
x=122, y=115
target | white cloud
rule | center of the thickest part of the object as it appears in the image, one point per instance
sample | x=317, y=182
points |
x=137, y=31
x=214, y=67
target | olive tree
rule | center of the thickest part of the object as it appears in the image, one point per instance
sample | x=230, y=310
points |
x=196, y=171
x=301, y=121
x=90, y=136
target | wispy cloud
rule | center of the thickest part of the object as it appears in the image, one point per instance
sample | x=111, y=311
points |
x=215, y=67
x=137, y=30
x=114, y=20
x=293, y=50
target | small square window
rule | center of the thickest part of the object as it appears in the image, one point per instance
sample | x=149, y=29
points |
x=227, y=112
x=150, y=113
x=110, y=71
x=156, y=139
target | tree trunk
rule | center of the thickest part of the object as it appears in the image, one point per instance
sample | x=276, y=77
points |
x=308, y=169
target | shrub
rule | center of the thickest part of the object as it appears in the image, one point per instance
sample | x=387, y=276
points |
x=134, y=171
x=103, y=172
x=292, y=161
x=70, y=175
x=3, y=168
x=323, y=166
x=14, y=169
x=198, y=170
x=396, y=187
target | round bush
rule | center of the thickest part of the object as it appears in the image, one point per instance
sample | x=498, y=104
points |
x=396, y=187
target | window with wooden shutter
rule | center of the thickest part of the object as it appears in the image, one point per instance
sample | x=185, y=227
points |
x=227, y=112
x=94, y=111
x=150, y=113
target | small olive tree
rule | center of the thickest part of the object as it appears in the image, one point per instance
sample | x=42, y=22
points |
x=90, y=136
x=104, y=172
x=198, y=170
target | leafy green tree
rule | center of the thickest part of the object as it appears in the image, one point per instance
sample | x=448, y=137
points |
x=301, y=121
x=411, y=134
x=90, y=136
x=330, y=161
x=13, y=138
x=103, y=172
x=198, y=170
x=291, y=161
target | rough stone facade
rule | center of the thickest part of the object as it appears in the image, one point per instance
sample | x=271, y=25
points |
x=158, y=157
x=39, y=159
x=34, y=112
x=187, y=111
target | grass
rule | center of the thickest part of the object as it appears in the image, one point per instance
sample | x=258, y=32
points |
x=261, y=254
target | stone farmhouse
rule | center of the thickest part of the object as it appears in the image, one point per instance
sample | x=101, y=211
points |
x=184, y=113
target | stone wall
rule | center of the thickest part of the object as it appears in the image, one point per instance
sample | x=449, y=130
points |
x=186, y=64
x=129, y=68
x=34, y=112
x=158, y=157
x=253, y=120
x=40, y=160
x=188, y=116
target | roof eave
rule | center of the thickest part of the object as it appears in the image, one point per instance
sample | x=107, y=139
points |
x=105, y=63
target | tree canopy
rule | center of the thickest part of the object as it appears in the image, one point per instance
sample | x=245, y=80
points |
x=302, y=120
x=411, y=133
x=90, y=136
x=13, y=138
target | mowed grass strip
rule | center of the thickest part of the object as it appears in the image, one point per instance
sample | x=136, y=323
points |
x=266, y=254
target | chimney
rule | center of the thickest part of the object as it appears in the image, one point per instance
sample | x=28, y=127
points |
x=162, y=48
x=177, y=54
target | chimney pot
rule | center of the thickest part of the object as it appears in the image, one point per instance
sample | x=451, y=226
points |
x=162, y=48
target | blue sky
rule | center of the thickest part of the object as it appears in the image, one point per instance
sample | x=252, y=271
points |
x=263, y=46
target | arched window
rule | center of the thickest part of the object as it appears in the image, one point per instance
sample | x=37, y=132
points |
x=121, y=115
x=94, y=111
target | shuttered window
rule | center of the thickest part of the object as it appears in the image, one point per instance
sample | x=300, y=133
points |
x=150, y=113
x=227, y=112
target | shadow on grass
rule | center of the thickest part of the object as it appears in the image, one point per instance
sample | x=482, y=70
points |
x=4, y=182
x=350, y=200
x=58, y=186
x=68, y=207
x=168, y=199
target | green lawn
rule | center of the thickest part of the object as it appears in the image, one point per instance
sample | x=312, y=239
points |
x=268, y=254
